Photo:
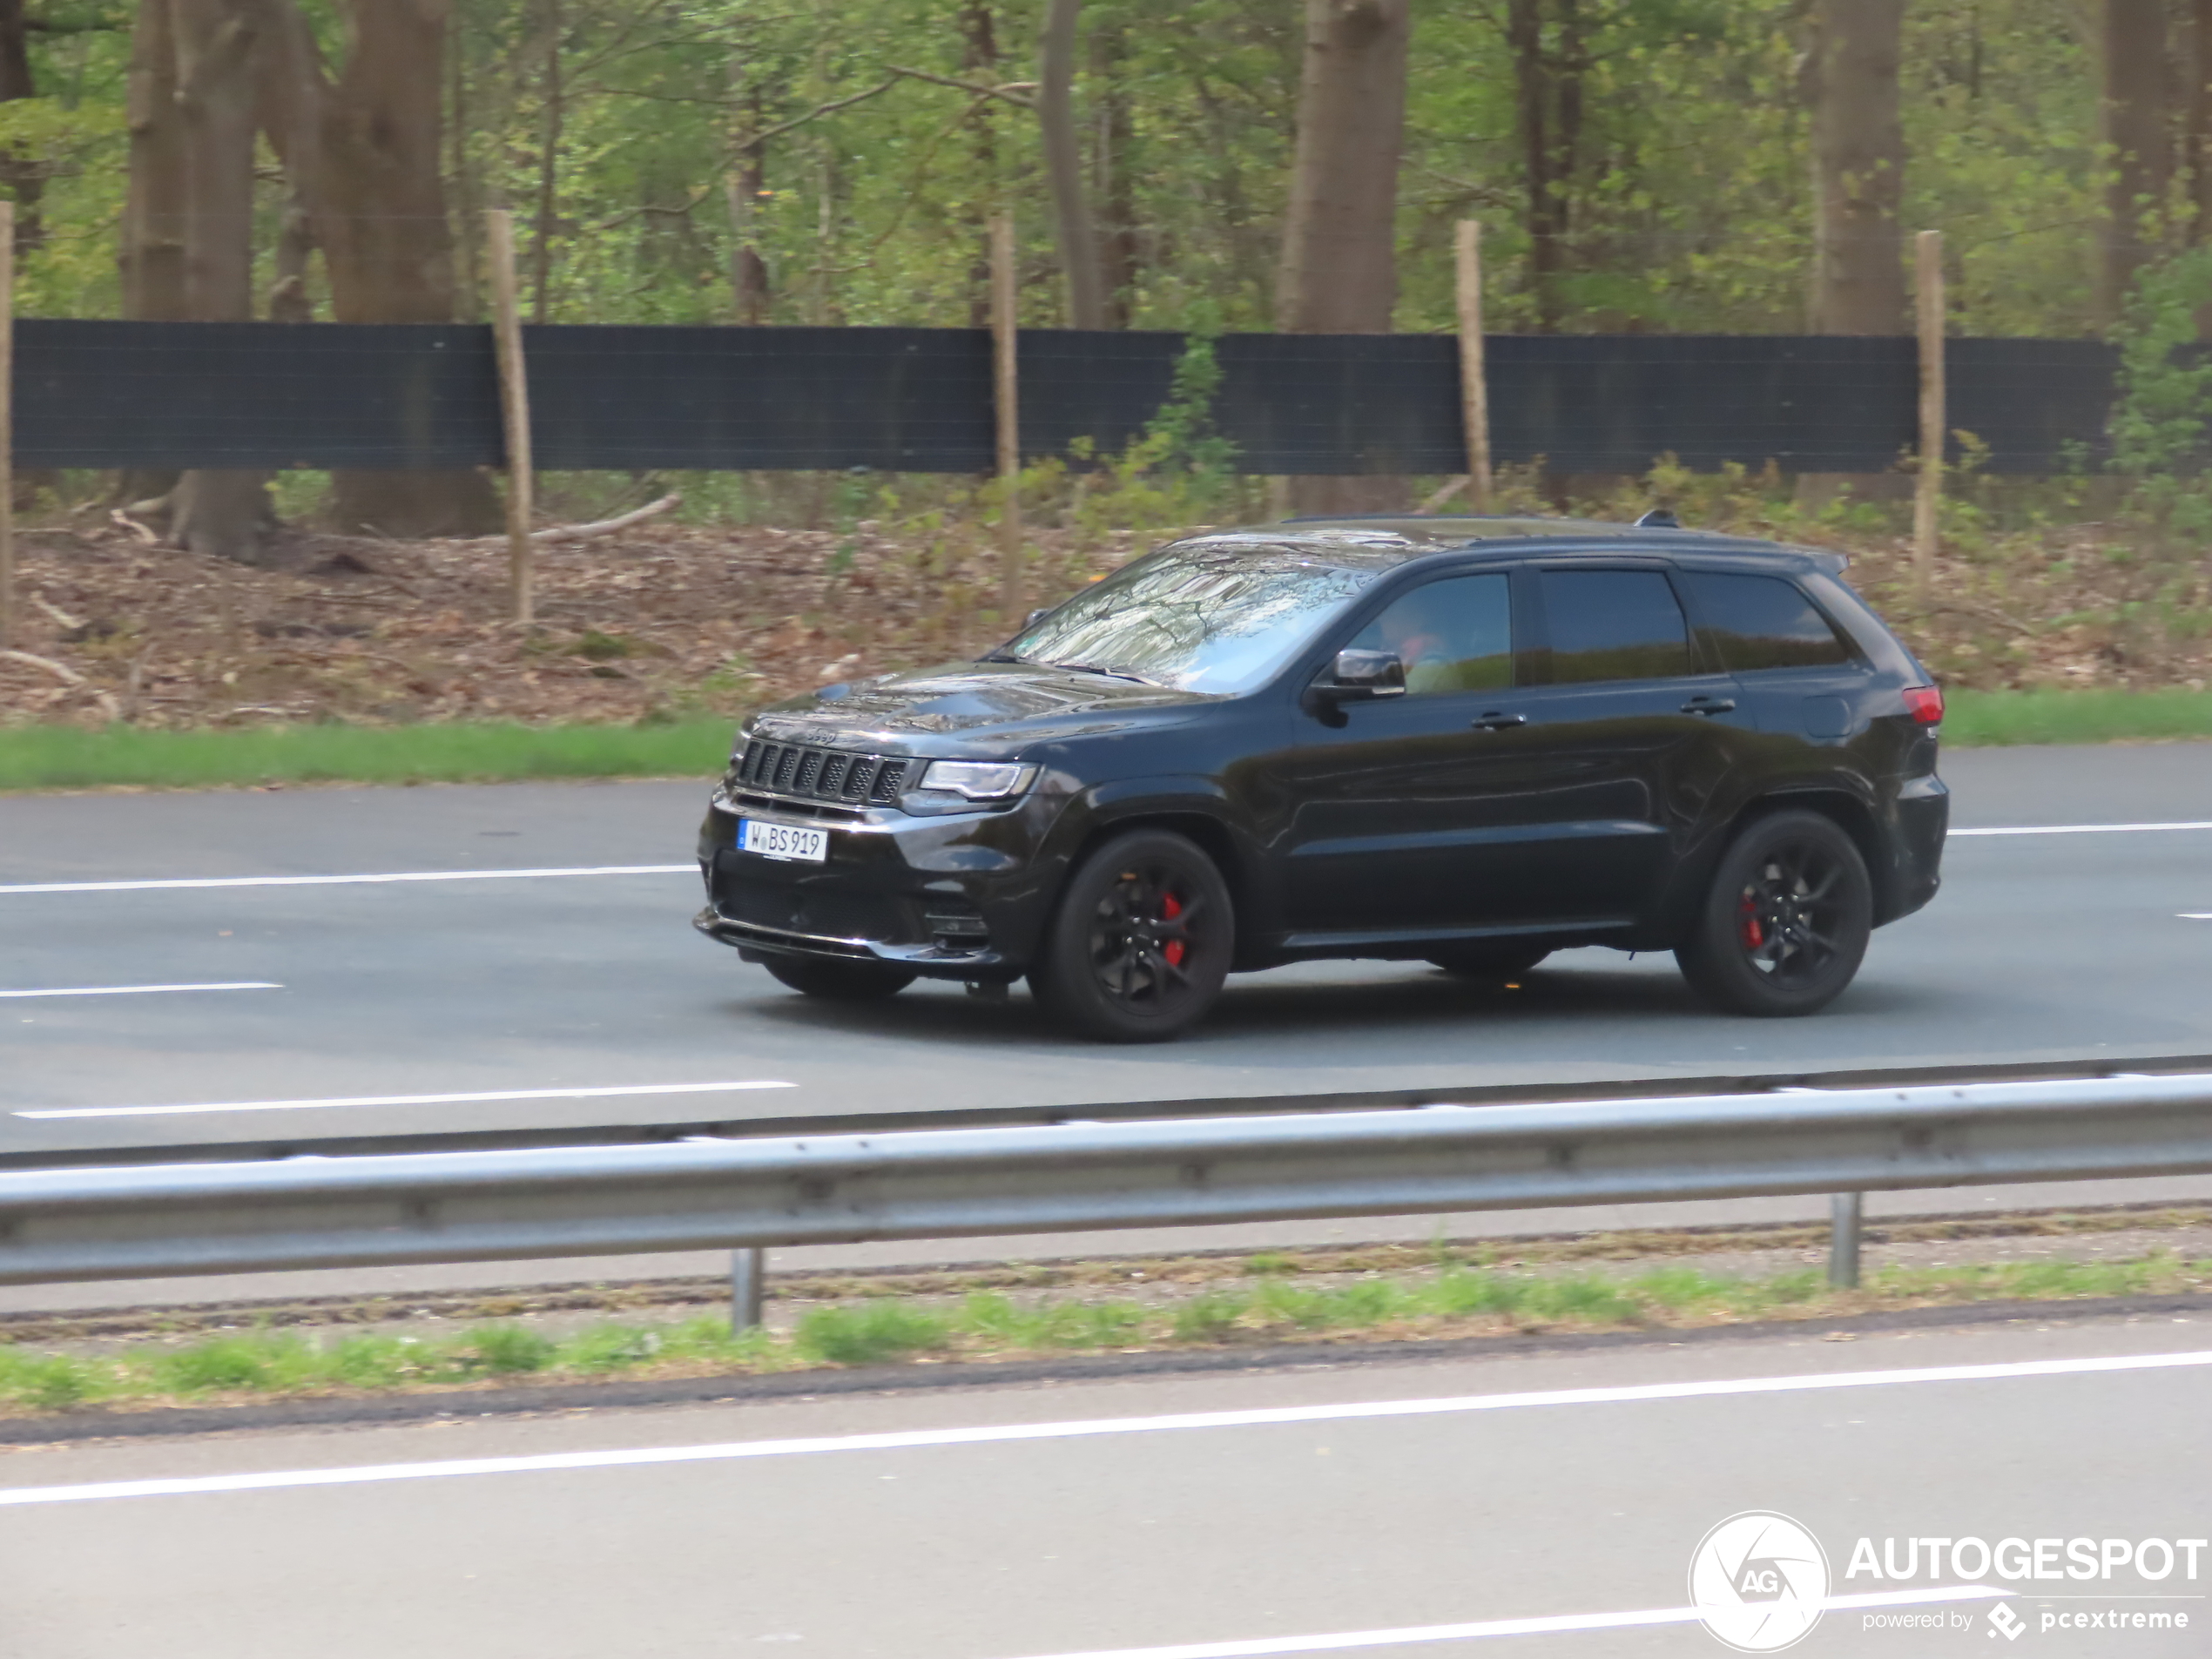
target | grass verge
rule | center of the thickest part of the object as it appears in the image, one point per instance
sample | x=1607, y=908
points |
x=70, y=757
x=44, y=757
x=1975, y=720
x=1269, y=1306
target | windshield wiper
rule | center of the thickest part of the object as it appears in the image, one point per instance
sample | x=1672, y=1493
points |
x=1110, y=673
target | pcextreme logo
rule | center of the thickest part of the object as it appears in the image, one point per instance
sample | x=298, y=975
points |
x=1759, y=1581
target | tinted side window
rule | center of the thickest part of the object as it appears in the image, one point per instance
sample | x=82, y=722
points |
x=1613, y=625
x=1455, y=635
x=1754, y=622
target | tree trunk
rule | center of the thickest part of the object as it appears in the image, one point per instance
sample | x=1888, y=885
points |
x=1547, y=106
x=1857, y=286
x=2133, y=123
x=24, y=175
x=549, y=166
x=1063, y=164
x=1858, y=168
x=978, y=60
x=1339, y=269
x=363, y=151
x=219, y=43
x=150, y=254
x=1118, y=252
x=748, y=271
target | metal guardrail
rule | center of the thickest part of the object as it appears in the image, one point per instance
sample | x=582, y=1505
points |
x=108, y=1223
x=812, y=1126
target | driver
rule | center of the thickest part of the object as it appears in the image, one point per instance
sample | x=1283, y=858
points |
x=1410, y=629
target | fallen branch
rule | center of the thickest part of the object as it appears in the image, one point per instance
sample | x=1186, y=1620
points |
x=61, y=671
x=56, y=612
x=604, y=527
x=136, y=529
x=1443, y=496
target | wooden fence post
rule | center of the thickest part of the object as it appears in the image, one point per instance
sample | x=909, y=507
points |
x=1005, y=397
x=1927, y=249
x=1475, y=393
x=513, y=406
x=7, y=424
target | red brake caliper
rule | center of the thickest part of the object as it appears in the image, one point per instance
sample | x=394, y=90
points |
x=1754, y=935
x=1173, y=949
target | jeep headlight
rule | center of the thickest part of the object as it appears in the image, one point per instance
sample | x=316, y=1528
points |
x=978, y=779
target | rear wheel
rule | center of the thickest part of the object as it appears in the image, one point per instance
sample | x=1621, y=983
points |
x=1785, y=923
x=1141, y=941
x=1502, y=960
x=839, y=982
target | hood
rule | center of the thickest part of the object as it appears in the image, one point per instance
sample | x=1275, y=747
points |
x=979, y=708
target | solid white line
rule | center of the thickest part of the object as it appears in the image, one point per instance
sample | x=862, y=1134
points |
x=398, y=1100
x=2196, y=915
x=344, y=881
x=1000, y=1434
x=1339, y=1642
x=148, y=990
x=2083, y=829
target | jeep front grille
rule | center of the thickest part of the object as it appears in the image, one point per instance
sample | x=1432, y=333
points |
x=808, y=773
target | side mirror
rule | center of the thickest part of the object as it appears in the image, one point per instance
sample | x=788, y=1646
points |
x=1036, y=617
x=1361, y=676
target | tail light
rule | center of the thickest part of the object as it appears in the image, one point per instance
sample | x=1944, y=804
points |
x=1924, y=703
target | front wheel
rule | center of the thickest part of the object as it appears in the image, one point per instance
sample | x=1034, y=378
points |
x=1141, y=940
x=839, y=981
x=1785, y=923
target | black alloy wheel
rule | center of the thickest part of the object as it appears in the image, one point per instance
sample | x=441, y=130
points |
x=1141, y=940
x=1785, y=923
x=1492, y=960
x=839, y=981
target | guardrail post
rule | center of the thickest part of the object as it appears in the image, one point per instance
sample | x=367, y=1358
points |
x=748, y=1272
x=1845, y=1210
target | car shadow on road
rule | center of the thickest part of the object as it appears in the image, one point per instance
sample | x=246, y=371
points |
x=1349, y=1015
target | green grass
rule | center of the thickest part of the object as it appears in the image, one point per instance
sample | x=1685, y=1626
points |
x=33, y=758
x=67, y=758
x=1271, y=1307
x=1973, y=719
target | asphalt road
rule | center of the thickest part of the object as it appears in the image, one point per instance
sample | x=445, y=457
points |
x=1282, y=1513
x=2040, y=946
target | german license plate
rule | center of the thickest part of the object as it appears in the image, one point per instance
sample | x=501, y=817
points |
x=782, y=840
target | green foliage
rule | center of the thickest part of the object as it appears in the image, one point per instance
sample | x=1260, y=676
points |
x=870, y=1334
x=1686, y=203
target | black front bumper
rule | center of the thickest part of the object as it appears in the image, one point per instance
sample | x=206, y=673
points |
x=962, y=897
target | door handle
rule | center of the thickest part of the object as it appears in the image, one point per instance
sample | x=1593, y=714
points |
x=1495, y=722
x=1709, y=705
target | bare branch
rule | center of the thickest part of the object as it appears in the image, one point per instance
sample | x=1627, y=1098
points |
x=819, y=109
x=1011, y=92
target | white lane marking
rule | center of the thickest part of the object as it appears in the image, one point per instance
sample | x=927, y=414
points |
x=149, y=990
x=1339, y=1640
x=1000, y=1434
x=344, y=881
x=2196, y=915
x=2076, y=829
x=172, y=883
x=399, y=1100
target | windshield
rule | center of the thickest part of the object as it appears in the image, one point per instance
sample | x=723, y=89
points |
x=1197, y=618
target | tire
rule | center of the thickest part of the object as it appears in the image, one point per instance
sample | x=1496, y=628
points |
x=1140, y=941
x=1785, y=923
x=839, y=981
x=1500, y=960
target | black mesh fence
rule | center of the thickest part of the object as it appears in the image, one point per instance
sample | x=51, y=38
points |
x=95, y=394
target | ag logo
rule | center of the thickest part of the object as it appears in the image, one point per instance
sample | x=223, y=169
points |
x=1757, y=1580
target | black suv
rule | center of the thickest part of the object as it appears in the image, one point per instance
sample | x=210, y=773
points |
x=1468, y=741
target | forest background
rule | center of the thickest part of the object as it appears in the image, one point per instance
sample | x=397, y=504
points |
x=1724, y=167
